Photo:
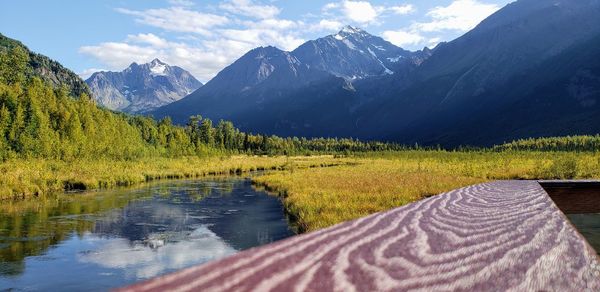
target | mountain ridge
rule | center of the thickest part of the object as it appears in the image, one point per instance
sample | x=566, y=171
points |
x=462, y=92
x=266, y=75
x=47, y=69
x=142, y=87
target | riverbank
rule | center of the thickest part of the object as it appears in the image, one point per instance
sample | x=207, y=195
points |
x=318, y=197
x=29, y=179
x=374, y=182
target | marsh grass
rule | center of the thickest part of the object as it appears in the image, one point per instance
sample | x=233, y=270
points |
x=317, y=191
x=24, y=179
x=369, y=183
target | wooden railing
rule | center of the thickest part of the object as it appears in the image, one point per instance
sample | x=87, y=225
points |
x=506, y=235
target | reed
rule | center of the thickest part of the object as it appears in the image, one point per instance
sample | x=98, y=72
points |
x=374, y=182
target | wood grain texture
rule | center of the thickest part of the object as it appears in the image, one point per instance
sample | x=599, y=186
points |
x=496, y=236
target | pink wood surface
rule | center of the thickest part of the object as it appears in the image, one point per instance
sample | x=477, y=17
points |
x=498, y=236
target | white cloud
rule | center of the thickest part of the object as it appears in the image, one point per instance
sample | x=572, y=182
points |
x=85, y=74
x=403, y=38
x=359, y=11
x=205, y=40
x=330, y=6
x=203, y=43
x=402, y=9
x=183, y=3
x=327, y=25
x=203, y=62
x=362, y=12
x=119, y=55
x=148, y=38
x=460, y=15
x=178, y=19
x=433, y=42
x=203, y=58
x=250, y=9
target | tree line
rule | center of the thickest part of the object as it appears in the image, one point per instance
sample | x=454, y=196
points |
x=39, y=121
x=581, y=143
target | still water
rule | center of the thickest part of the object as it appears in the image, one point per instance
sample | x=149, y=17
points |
x=589, y=226
x=101, y=240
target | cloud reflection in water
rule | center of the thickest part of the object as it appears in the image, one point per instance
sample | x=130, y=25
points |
x=158, y=254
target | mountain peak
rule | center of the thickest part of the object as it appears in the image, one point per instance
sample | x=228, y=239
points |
x=348, y=29
x=352, y=32
x=267, y=49
x=156, y=61
x=142, y=87
x=158, y=68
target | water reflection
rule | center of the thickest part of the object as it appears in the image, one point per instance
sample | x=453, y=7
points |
x=158, y=253
x=589, y=226
x=103, y=240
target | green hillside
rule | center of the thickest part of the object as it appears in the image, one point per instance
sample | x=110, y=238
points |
x=46, y=69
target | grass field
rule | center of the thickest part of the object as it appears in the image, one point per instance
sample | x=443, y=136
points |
x=318, y=198
x=25, y=179
x=315, y=196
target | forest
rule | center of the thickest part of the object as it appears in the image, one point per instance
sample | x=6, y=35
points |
x=40, y=121
x=52, y=139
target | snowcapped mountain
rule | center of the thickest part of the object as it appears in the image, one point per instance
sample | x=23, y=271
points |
x=264, y=66
x=355, y=54
x=267, y=76
x=531, y=69
x=351, y=54
x=142, y=88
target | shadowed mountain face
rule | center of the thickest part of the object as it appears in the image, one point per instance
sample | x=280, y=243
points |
x=486, y=86
x=355, y=54
x=530, y=69
x=273, y=91
x=142, y=88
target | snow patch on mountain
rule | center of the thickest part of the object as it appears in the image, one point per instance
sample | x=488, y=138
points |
x=159, y=70
x=349, y=44
x=137, y=89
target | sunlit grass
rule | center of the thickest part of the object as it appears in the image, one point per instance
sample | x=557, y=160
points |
x=315, y=196
x=318, y=198
x=33, y=178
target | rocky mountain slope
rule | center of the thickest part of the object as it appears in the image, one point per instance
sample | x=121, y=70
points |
x=264, y=83
x=142, y=87
x=355, y=54
x=48, y=69
x=529, y=70
x=484, y=87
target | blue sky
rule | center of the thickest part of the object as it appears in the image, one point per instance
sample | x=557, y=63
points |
x=205, y=36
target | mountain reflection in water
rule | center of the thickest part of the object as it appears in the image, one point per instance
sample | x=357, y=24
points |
x=107, y=239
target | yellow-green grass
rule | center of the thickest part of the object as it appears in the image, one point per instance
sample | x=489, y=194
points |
x=22, y=179
x=317, y=198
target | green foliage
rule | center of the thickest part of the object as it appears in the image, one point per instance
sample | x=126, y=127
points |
x=568, y=144
x=13, y=65
x=563, y=168
x=36, y=65
x=46, y=113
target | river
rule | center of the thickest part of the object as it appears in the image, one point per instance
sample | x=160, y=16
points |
x=101, y=240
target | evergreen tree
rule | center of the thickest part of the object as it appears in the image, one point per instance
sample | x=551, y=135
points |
x=207, y=133
x=13, y=65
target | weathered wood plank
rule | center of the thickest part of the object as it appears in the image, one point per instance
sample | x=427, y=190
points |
x=494, y=236
x=574, y=197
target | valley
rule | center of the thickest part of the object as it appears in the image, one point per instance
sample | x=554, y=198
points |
x=147, y=162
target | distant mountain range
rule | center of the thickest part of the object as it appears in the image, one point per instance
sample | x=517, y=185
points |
x=273, y=91
x=531, y=69
x=48, y=70
x=142, y=87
